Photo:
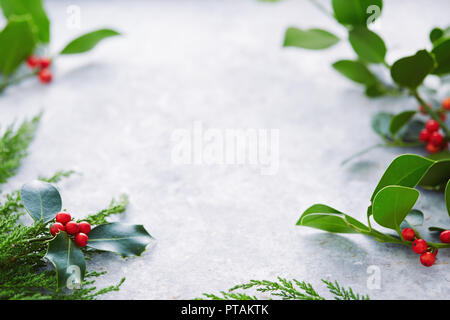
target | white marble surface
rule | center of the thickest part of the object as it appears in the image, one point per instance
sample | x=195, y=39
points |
x=110, y=115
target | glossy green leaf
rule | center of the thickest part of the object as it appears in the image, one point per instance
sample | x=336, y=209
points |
x=436, y=34
x=411, y=71
x=88, y=41
x=309, y=39
x=436, y=229
x=406, y=170
x=325, y=218
x=35, y=9
x=441, y=53
x=447, y=196
x=68, y=261
x=381, y=123
x=355, y=71
x=367, y=45
x=356, y=12
x=17, y=42
x=126, y=240
x=41, y=199
x=392, y=204
x=399, y=121
x=437, y=176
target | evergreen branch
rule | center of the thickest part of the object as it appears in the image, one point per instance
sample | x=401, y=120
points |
x=58, y=176
x=115, y=207
x=341, y=293
x=13, y=146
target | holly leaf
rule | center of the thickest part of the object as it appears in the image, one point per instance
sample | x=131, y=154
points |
x=356, y=71
x=126, y=240
x=35, y=9
x=17, y=42
x=314, y=39
x=356, y=12
x=68, y=261
x=392, y=204
x=441, y=53
x=400, y=120
x=367, y=44
x=437, y=176
x=381, y=124
x=88, y=41
x=41, y=199
x=411, y=71
x=447, y=197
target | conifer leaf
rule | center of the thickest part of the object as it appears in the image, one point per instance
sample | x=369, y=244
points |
x=41, y=199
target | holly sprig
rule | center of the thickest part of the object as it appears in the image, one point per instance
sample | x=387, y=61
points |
x=407, y=74
x=27, y=30
x=65, y=251
x=391, y=205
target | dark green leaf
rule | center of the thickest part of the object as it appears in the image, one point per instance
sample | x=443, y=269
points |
x=436, y=34
x=376, y=89
x=356, y=12
x=392, y=204
x=441, y=53
x=88, y=41
x=309, y=39
x=405, y=170
x=355, y=71
x=436, y=229
x=411, y=131
x=41, y=199
x=35, y=9
x=126, y=240
x=447, y=197
x=367, y=44
x=411, y=71
x=437, y=176
x=17, y=42
x=380, y=124
x=400, y=120
x=68, y=261
x=325, y=218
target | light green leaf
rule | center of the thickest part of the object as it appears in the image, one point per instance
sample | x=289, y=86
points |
x=356, y=12
x=325, y=218
x=309, y=39
x=68, y=261
x=367, y=45
x=17, y=42
x=405, y=170
x=392, y=204
x=441, y=53
x=126, y=240
x=437, y=176
x=400, y=120
x=88, y=41
x=41, y=199
x=35, y=9
x=411, y=71
x=355, y=71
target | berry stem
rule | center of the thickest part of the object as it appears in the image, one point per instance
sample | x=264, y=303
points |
x=432, y=114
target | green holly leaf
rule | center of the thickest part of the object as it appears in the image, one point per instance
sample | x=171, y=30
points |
x=411, y=71
x=356, y=12
x=367, y=44
x=356, y=71
x=400, y=120
x=35, y=9
x=315, y=39
x=447, y=197
x=325, y=218
x=392, y=204
x=88, y=41
x=68, y=261
x=441, y=53
x=381, y=124
x=41, y=199
x=17, y=42
x=437, y=176
x=126, y=240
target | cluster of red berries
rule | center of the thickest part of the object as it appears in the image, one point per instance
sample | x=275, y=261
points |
x=43, y=65
x=78, y=230
x=420, y=246
x=431, y=134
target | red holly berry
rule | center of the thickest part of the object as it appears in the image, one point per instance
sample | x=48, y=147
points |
x=85, y=227
x=431, y=148
x=32, y=61
x=427, y=259
x=44, y=63
x=72, y=227
x=424, y=135
x=436, y=139
x=81, y=239
x=45, y=76
x=63, y=217
x=408, y=234
x=445, y=236
x=446, y=103
x=418, y=245
x=56, y=227
x=432, y=125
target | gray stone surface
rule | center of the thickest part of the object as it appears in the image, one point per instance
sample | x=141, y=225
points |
x=110, y=115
